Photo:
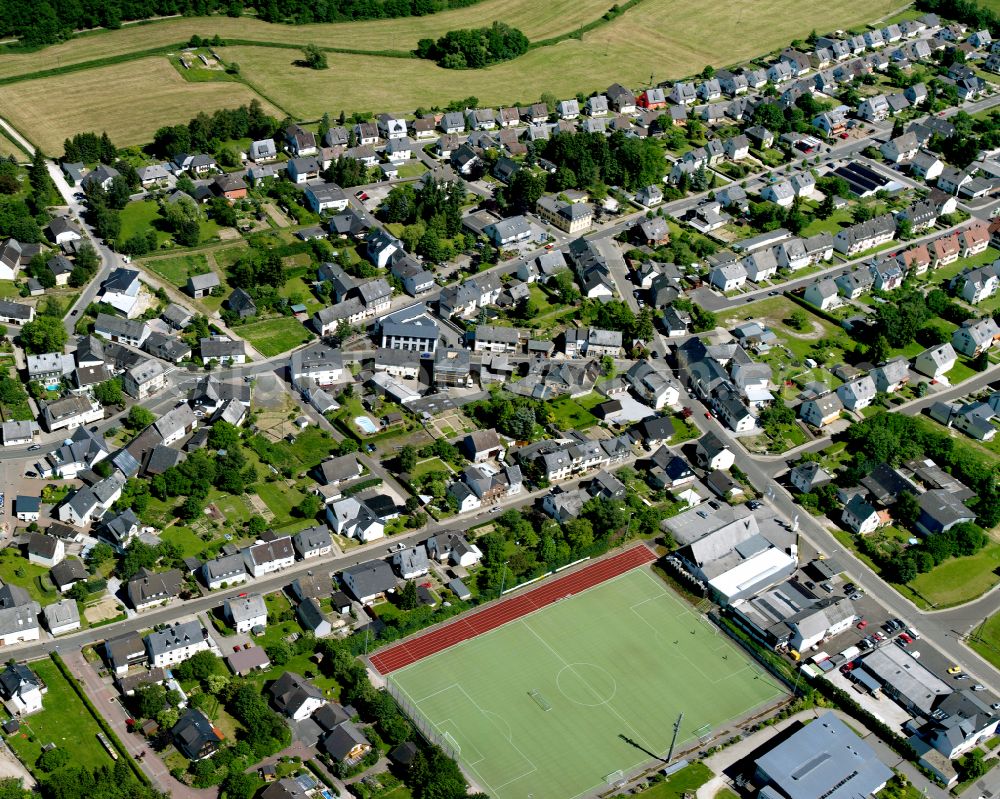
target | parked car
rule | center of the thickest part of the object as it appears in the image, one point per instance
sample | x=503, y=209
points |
x=862, y=624
x=954, y=669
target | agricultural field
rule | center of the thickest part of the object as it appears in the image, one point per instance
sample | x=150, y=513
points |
x=662, y=39
x=129, y=100
x=9, y=148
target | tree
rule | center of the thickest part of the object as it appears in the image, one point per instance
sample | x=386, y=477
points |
x=224, y=435
x=239, y=785
x=973, y=765
x=798, y=320
x=906, y=509
x=408, y=458
x=150, y=700
x=98, y=554
x=279, y=653
x=309, y=507
x=139, y=418
x=53, y=759
x=43, y=334
x=314, y=57
x=408, y=599
x=109, y=392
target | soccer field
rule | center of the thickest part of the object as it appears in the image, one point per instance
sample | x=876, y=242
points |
x=553, y=703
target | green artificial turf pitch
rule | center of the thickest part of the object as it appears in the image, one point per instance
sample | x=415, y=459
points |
x=543, y=705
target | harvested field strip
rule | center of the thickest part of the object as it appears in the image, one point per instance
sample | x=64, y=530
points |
x=130, y=101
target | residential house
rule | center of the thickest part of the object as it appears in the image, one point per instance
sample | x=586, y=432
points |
x=21, y=689
x=176, y=643
x=147, y=588
x=860, y=517
x=935, y=361
x=821, y=411
x=269, y=556
x=246, y=612
x=224, y=571
x=369, y=580
x=45, y=550
x=195, y=736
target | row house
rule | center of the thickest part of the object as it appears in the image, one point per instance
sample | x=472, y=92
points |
x=865, y=235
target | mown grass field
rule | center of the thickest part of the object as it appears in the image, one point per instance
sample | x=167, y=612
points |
x=8, y=147
x=275, y=336
x=63, y=721
x=536, y=20
x=130, y=101
x=662, y=38
x=657, y=38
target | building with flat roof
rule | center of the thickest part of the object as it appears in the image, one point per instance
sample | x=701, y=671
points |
x=823, y=760
x=905, y=680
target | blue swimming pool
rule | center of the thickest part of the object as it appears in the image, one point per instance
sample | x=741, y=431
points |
x=365, y=425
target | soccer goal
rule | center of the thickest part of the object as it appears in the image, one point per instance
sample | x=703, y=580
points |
x=704, y=733
x=540, y=700
x=450, y=743
x=616, y=779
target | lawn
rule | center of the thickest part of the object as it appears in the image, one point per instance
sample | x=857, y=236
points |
x=569, y=655
x=281, y=499
x=430, y=465
x=139, y=217
x=569, y=413
x=296, y=290
x=275, y=336
x=986, y=640
x=832, y=224
x=16, y=570
x=177, y=269
x=128, y=100
x=64, y=721
x=959, y=580
x=678, y=785
x=190, y=543
x=960, y=372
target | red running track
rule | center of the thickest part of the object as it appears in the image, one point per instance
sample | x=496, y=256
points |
x=507, y=610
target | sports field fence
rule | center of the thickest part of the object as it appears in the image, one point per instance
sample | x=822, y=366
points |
x=445, y=740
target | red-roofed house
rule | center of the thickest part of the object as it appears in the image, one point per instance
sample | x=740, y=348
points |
x=945, y=250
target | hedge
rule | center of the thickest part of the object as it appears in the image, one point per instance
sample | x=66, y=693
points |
x=105, y=728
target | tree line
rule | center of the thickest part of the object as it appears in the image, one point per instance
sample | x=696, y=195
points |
x=48, y=21
x=204, y=132
x=474, y=48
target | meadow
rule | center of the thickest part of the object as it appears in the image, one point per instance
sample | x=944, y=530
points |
x=650, y=42
x=130, y=101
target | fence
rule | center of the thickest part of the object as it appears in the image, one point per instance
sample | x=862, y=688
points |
x=427, y=730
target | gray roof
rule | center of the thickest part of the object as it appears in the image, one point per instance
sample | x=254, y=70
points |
x=371, y=577
x=154, y=586
x=180, y=635
x=824, y=759
x=246, y=607
x=226, y=566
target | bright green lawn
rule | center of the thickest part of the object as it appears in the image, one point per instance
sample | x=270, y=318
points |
x=574, y=413
x=676, y=786
x=832, y=224
x=619, y=660
x=959, y=580
x=138, y=217
x=296, y=291
x=64, y=721
x=179, y=268
x=430, y=465
x=186, y=538
x=960, y=372
x=8, y=290
x=986, y=640
x=275, y=336
x=33, y=578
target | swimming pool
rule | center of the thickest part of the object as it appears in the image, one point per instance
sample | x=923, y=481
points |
x=366, y=425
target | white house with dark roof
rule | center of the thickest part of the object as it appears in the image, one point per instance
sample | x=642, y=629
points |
x=269, y=556
x=227, y=570
x=176, y=644
x=313, y=542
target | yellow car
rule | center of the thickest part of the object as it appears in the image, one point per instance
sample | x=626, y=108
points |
x=954, y=669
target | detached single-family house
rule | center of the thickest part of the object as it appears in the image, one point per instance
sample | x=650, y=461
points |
x=936, y=361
